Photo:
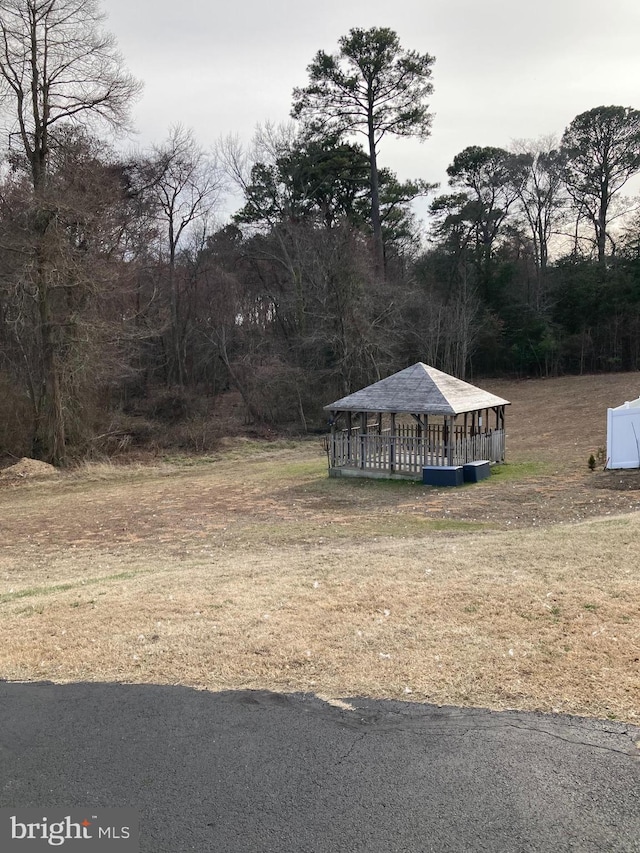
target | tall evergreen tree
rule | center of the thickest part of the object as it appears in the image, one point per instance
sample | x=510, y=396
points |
x=371, y=86
x=602, y=152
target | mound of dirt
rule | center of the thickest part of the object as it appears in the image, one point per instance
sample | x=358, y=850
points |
x=30, y=469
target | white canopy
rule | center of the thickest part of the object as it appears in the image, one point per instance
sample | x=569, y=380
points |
x=623, y=435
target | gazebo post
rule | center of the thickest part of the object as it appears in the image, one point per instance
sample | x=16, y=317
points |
x=426, y=444
x=363, y=439
x=419, y=444
x=445, y=441
x=349, y=419
x=452, y=437
x=334, y=416
x=392, y=444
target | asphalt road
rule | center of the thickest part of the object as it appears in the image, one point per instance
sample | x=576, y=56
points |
x=246, y=772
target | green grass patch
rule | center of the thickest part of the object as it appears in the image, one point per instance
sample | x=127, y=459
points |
x=64, y=587
x=314, y=468
x=355, y=528
x=242, y=448
x=178, y=460
x=447, y=525
x=509, y=471
x=359, y=487
x=374, y=486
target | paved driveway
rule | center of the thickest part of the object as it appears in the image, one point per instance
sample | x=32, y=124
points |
x=246, y=772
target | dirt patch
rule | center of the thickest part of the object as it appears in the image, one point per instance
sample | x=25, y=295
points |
x=618, y=481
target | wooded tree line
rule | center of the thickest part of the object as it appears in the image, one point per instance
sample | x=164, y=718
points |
x=123, y=305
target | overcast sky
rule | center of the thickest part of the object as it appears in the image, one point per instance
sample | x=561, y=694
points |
x=504, y=69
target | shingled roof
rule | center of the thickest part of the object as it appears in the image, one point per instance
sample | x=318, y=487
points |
x=419, y=389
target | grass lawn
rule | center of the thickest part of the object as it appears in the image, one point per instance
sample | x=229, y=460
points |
x=253, y=569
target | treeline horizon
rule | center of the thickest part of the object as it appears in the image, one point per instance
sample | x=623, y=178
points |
x=124, y=311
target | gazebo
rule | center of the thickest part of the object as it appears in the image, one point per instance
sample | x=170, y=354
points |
x=415, y=418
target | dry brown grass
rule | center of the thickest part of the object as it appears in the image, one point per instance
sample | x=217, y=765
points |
x=255, y=570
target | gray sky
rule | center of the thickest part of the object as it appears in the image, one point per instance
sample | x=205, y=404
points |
x=504, y=70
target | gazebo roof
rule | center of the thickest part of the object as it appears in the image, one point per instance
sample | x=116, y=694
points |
x=419, y=389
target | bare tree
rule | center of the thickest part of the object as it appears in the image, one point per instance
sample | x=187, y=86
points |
x=86, y=249
x=542, y=198
x=57, y=66
x=185, y=184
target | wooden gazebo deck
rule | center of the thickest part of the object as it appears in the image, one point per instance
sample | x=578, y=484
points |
x=449, y=423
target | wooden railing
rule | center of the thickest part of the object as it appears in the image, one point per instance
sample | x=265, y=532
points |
x=410, y=453
x=484, y=446
x=432, y=432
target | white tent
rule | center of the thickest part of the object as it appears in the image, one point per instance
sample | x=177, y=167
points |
x=623, y=436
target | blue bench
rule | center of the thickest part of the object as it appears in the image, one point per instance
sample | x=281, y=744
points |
x=473, y=472
x=442, y=475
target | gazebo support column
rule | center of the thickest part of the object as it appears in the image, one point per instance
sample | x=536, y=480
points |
x=452, y=439
x=332, y=458
x=363, y=439
x=392, y=444
x=445, y=441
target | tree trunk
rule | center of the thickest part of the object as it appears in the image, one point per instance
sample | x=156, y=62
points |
x=176, y=336
x=601, y=228
x=376, y=225
x=49, y=433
